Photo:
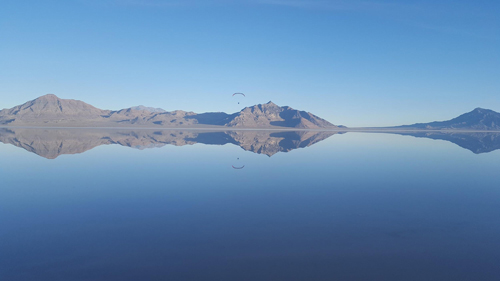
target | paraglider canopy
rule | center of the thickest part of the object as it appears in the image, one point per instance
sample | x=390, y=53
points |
x=239, y=94
x=238, y=168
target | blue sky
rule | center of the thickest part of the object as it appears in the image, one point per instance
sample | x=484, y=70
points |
x=356, y=63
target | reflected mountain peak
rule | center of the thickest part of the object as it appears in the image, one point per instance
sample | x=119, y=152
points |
x=51, y=143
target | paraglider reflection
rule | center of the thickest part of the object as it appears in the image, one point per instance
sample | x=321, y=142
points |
x=238, y=167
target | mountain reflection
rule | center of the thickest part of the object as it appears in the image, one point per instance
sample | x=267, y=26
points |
x=51, y=143
x=477, y=142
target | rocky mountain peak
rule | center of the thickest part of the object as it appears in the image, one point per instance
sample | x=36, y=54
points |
x=45, y=100
x=48, y=97
x=481, y=111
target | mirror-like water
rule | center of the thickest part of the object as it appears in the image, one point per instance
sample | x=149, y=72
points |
x=248, y=205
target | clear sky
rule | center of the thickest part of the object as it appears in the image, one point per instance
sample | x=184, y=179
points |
x=356, y=63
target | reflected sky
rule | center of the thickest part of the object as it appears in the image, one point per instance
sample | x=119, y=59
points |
x=352, y=206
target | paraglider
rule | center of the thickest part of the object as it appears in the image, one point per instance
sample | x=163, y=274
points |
x=239, y=94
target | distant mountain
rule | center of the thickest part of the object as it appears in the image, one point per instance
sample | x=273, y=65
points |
x=51, y=143
x=50, y=110
x=478, y=119
x=150, y=109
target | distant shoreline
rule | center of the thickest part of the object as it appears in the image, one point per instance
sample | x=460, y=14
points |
x=360, y=130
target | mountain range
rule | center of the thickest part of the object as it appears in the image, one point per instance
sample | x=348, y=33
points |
x=50, y=143
x=49, y=110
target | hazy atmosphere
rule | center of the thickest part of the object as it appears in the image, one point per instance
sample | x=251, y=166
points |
x=354, y=63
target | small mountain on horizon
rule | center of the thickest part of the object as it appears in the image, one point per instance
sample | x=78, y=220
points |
x=150, y=109
x=478, y=119
x=49, y=110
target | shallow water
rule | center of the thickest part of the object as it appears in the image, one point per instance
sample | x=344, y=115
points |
x=190, y=205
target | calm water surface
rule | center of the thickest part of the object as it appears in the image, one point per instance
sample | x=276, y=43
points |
x=173, y=205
